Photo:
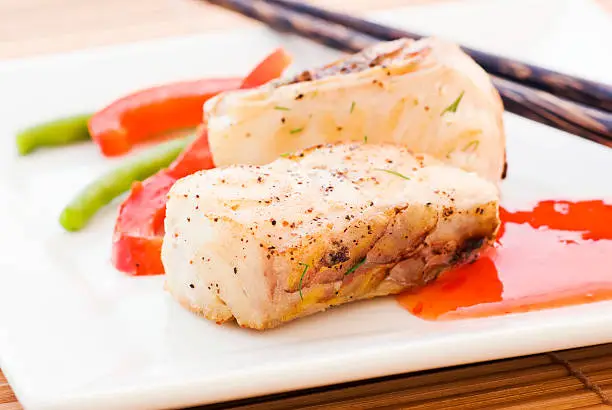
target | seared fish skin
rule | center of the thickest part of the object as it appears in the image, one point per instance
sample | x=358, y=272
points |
x=426, y=95
x=333, y=224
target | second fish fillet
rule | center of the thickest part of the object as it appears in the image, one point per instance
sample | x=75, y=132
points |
x=427, y=95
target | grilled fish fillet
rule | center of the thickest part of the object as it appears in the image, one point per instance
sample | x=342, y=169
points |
x=427, y=95
x=330, y=225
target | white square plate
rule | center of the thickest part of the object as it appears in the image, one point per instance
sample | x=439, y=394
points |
x=75, y=333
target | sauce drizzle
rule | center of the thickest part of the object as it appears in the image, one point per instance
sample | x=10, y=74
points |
x=557, y=254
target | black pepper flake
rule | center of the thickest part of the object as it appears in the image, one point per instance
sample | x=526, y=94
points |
x=283, y=119
x=216, y=219
x=446, y=212
x=299, y=96
x=235, y=270
x=191, y=285
x=188, y=219
x=273, y=221
x=197, y=195
x=259, y=179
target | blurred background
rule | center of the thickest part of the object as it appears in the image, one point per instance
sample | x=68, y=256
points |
x=29, y=27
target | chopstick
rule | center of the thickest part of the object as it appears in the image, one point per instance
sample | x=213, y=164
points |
x=519, y=99
x=580, y=90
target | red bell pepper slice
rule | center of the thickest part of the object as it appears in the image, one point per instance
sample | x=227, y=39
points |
x=270, y=68
x=140, y=116
x=139, y=228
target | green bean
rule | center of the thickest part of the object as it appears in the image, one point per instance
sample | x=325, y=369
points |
x=115, y=182
x=63, y=131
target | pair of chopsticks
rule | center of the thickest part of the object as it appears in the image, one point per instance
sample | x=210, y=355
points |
x=568, y=103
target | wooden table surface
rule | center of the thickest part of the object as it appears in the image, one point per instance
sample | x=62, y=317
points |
x=579, y=378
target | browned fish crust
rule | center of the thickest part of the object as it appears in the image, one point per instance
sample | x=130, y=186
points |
x=355, y=63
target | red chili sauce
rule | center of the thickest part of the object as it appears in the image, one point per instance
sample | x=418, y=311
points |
x=559, y=253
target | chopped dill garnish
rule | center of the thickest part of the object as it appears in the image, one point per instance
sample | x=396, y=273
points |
x=392, y=173
x=454, y=105
x=285, y=155
x=471, y=146
x=306, y=267
x=353, y=106
x=280, y=108
x=296, y=130
x=354, y=268
x=365, y=139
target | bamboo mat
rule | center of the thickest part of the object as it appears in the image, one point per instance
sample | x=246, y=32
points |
x=570, y=379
